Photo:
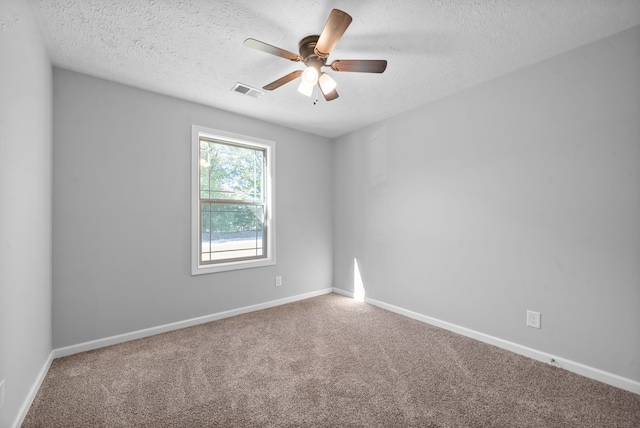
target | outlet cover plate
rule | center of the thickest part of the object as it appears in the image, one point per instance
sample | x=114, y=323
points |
x=533, y=319
x=278, y=281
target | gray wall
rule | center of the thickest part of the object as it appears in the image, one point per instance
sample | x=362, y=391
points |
x=121, y=212
x=25, y=205
x=520, y=193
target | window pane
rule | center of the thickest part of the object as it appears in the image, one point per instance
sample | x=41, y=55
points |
x=233, y=195
x=231, y=172
x=231, y=231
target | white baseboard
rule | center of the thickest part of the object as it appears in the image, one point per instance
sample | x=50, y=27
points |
x=139, y=334
x=572, y=366
x=344, y=292
x=22, y=413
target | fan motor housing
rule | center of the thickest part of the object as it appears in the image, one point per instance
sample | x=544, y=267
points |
x=307, y=52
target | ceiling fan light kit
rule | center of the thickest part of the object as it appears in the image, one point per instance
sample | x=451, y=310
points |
x=314, y=51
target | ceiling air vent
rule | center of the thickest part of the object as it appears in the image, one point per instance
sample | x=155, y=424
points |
x=247, y=90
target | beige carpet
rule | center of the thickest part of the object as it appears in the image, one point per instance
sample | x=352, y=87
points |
x=326, y=361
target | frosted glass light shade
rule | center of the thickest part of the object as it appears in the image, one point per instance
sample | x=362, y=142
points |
x=310, y=76
x=305, y=89
x=326, y=83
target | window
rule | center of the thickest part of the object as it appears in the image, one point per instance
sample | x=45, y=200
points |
x=233, y=224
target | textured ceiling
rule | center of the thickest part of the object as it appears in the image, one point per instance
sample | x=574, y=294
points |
x=194, y=49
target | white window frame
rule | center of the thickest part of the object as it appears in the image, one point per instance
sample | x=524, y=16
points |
x=269, y=147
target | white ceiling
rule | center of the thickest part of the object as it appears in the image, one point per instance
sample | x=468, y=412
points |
x=193, y=49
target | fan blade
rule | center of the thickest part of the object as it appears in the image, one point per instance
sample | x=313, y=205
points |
x=360, y=65
x=265, y=47
x=281, y=81
x=331, y=95
x=335, y=27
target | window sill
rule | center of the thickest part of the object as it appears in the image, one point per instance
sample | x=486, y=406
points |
x=225, y=267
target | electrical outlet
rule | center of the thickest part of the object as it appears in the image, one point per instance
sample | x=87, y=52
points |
x=278, y=281
x=2, y=393
x=533, y=319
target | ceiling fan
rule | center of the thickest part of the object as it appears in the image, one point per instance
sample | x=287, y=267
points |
x=314, y=51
